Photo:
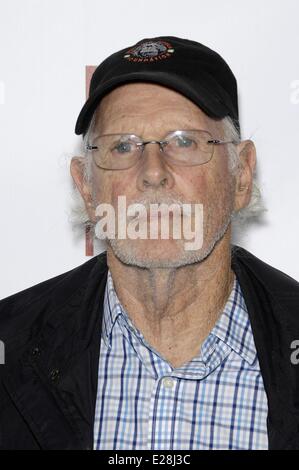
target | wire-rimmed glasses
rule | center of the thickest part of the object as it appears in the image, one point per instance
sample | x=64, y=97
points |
x=181, y=147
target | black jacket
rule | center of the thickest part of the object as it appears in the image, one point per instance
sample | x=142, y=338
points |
x=52, y=337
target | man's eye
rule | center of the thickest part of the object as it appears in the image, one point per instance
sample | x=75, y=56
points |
x=123, y=147
x=185, y=142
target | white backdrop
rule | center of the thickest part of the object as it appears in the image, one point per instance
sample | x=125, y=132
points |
x=44, y=48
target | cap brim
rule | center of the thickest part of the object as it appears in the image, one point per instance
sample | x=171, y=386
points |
x=203, y=98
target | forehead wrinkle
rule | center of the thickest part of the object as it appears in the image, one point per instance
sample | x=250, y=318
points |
x=141, y=98
x=148, y=130
x=160, y=110
x=131, y=122
x=128, y=112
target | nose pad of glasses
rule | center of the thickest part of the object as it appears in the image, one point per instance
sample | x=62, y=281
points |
x=163, y=144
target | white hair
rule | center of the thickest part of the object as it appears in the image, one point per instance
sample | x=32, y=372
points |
x=240, y=219
x=255, y=208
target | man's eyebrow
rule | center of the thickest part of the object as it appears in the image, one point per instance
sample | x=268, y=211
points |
x=114, y=133
x=185, y=127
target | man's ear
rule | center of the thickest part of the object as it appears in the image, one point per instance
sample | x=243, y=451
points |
x=77, y=169
x=244, y=178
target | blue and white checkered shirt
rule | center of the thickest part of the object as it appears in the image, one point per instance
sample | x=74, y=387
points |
x=215, y=401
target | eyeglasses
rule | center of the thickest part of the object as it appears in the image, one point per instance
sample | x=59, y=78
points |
x=181, y=147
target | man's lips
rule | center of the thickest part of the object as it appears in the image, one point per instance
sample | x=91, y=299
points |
x=159, y=216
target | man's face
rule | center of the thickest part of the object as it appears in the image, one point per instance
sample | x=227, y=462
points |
x=150, y=111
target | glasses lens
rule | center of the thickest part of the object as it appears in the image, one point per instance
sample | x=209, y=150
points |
x=189, y=147
x=116, y=152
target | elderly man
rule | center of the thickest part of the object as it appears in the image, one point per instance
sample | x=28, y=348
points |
x=151, y=345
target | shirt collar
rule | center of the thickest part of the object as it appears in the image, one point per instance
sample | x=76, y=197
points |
x=112, y=310
x=232, y=328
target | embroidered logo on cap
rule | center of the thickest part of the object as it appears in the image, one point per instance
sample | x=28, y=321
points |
x=149, y=51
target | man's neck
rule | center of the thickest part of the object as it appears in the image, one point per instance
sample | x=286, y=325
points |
x=175, y=309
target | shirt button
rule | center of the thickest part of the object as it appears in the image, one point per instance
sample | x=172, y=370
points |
x=168, y=382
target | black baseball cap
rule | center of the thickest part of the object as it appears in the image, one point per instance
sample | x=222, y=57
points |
x=186, y=66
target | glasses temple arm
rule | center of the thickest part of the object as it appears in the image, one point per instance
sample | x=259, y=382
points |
x=219, y=142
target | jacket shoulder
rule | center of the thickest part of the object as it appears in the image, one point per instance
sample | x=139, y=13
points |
x=278, y=283
x=18, y=311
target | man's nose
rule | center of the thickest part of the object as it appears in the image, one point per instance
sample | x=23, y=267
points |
x=154, y=172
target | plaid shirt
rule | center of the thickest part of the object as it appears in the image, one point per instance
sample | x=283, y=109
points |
x=215, y=401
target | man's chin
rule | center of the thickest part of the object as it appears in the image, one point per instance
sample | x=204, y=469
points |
x=170, y=253
x=155, y=253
